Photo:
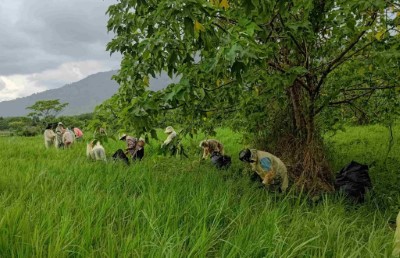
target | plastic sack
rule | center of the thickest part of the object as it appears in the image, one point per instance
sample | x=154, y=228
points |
x=220, y=161
x=354, y=181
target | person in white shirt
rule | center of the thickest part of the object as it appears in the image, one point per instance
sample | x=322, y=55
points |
x=171, y=135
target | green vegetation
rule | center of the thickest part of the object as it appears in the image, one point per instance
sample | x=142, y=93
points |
x=58, y=204
x=24, y=126
x=280, y=70
x=46, y=110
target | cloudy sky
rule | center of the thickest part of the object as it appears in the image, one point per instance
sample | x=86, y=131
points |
x=45, y=44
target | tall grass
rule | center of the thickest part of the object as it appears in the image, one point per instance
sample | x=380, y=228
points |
x=58, y=204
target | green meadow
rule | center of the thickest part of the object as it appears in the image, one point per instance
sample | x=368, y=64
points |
x=56, y=203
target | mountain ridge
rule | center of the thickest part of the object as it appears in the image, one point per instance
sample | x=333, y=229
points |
x=82, y=96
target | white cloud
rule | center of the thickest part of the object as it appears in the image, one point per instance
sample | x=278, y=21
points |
x=21, y=85
x=17, y=86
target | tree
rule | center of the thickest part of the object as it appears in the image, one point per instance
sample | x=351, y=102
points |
x=274, y=63
x=45, y=110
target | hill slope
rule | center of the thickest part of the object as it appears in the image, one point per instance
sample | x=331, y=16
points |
x=82, y=96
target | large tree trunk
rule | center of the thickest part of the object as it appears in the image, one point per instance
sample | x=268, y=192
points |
x=309, y=166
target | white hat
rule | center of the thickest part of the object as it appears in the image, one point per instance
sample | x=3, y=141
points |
x=59, y=123
x=122, y=136
x=169, y=129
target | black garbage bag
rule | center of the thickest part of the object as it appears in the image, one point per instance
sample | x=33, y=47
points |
x=120, y=155
x=354, y=181
x=220, y=161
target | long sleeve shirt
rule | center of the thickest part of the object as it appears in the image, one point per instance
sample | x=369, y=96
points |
x=269, y=167
x=131, y=144
x=170, y=137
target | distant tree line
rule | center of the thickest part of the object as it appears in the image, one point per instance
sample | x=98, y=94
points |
x=27, y=126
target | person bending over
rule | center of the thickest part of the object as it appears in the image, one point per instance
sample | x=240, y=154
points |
x=135, y=147
x=270, y=168
x=171, y=135
x=210, y=146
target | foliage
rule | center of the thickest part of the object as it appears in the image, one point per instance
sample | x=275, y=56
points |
x=46, y=110
x=25, y=126
x=224, y=50
x=58, y=204
x=81, y=121
x=274, y=64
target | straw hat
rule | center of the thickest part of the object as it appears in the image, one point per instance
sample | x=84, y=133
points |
x=123, y=136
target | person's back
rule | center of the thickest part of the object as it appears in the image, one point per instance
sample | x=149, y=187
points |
x=68, y=138
x=78, y=132
x=49, y=137
x=131, y=144
x=278, y=167
x=270, y=168
x=49, y=134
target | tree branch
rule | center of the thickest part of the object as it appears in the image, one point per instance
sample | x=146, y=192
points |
x=292, y=37
x=369, y=90
x=372, y=88
x=219, y=87
x=332, y=63
x=280, y=69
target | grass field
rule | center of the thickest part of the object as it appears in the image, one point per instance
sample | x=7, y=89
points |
x=59, y=204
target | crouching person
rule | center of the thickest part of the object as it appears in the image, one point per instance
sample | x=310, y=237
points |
x=134, y=146
x=95, y=151
x=269, y=167
x=210, y=146
x=171, y=135
x=135, y=149
x=68, y=138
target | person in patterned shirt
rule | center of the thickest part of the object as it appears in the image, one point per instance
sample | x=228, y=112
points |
x=134, y=146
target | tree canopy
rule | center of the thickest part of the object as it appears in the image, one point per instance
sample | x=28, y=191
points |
x=46, y=109
x=276, y=66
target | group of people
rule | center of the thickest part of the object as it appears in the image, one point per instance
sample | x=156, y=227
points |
x=62, y=136
x=271, y=170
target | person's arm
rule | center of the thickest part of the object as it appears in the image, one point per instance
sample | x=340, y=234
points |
x=269, y=177
x=169, y=139
x=206, y=152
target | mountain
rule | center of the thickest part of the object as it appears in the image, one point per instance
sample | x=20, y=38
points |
x=83, y=96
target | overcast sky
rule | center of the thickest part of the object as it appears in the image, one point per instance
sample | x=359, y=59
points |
x=45, y=44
